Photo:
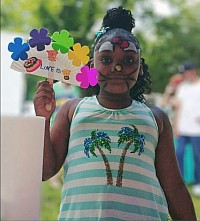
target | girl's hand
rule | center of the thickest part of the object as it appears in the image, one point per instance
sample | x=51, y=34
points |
x=44, y=100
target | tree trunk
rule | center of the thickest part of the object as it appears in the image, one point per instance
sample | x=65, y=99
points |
x=107, y=165
x=121, y=165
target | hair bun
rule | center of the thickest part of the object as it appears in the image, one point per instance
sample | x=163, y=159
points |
x=119, y=18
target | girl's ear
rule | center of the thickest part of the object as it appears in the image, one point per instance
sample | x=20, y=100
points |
x=91, y=63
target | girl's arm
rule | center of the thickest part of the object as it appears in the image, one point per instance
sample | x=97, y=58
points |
x=59, y=138
x=55, y=139
x=179, y=201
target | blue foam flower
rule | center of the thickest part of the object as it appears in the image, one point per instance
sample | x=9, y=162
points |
x=19, y=49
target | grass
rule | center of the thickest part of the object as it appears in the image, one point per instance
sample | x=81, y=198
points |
x=51, y=197
x=196, y=202
x=50, y=201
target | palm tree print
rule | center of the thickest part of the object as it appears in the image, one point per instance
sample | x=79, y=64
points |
x=131, y=136
x=97, y=140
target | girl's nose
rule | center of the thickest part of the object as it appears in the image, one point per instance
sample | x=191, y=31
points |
x=117, y=68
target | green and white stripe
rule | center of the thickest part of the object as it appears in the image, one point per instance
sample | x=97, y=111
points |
x=86, y=195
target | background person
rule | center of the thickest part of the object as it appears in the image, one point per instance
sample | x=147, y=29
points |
x=168, y=102
x=188, y=120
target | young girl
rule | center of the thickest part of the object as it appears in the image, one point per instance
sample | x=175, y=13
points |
x=118, y=154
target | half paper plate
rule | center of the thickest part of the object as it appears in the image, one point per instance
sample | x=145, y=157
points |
x=55, y=57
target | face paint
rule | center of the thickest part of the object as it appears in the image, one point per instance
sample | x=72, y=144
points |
x=119, y=68
x=106, y=46
x=119, y=65
x=122, y=43
x=131, y=47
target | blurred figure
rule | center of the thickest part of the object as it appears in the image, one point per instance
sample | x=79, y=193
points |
x=63, y=91
x=188, y=120
x=168, y=102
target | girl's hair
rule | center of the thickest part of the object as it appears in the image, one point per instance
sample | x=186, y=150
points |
x=120, y=21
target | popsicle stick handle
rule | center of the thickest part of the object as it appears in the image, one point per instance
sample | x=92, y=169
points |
x=49, y=106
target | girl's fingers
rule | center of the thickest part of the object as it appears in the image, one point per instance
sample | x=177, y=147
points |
x=44, y=89
x=44, y=93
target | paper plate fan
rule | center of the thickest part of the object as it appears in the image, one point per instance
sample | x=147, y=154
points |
x=55, y=57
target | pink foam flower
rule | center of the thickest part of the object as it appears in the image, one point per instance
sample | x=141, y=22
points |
x=87, y=77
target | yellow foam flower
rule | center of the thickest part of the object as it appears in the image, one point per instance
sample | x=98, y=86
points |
x=79, y=55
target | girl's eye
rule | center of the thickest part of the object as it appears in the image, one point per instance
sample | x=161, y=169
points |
x=129, y=61
x=106, y=60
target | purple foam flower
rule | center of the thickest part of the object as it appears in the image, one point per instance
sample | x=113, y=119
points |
x=19, y=49
x=39, y=39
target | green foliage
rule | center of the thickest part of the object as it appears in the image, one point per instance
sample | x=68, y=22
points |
x=166, y=41
x=50, y=201
x=176, y=39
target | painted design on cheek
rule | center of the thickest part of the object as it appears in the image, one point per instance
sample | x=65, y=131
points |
x=106, y=46
x=127, y=77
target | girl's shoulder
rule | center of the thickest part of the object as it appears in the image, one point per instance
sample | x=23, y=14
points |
x=161, y=117
x=68, y=108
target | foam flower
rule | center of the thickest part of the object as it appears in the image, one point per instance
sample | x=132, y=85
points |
x=87, y=77
x=79, y=55
x=19, y=49
x=39, y=39
x=62, y=41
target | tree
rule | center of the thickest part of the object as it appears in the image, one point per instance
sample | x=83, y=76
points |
x=165, y=41
x=131, y=136
x=99, y=139
x=176, y=39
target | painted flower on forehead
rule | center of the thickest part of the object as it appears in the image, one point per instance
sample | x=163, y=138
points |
x=39, y=39
x=62, y=41
x=87, y=77
x=121, y=43
x=19, y=49
x=79, y=55
x=126, y=45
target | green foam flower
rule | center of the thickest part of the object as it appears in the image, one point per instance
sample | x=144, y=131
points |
x=62, y=41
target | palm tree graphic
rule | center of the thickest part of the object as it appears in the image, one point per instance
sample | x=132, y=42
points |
x=131, y=136
x=100, y=139
x=97, y=140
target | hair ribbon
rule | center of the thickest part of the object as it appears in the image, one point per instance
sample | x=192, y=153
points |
x=102, y=31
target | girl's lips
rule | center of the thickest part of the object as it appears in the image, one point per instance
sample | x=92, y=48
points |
x=116, y=76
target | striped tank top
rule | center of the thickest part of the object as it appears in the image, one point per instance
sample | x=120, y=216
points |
x=109, y=171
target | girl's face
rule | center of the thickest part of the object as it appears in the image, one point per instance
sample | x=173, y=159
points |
x=118, y=63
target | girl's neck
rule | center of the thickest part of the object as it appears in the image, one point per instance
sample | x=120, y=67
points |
x=117, y=101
